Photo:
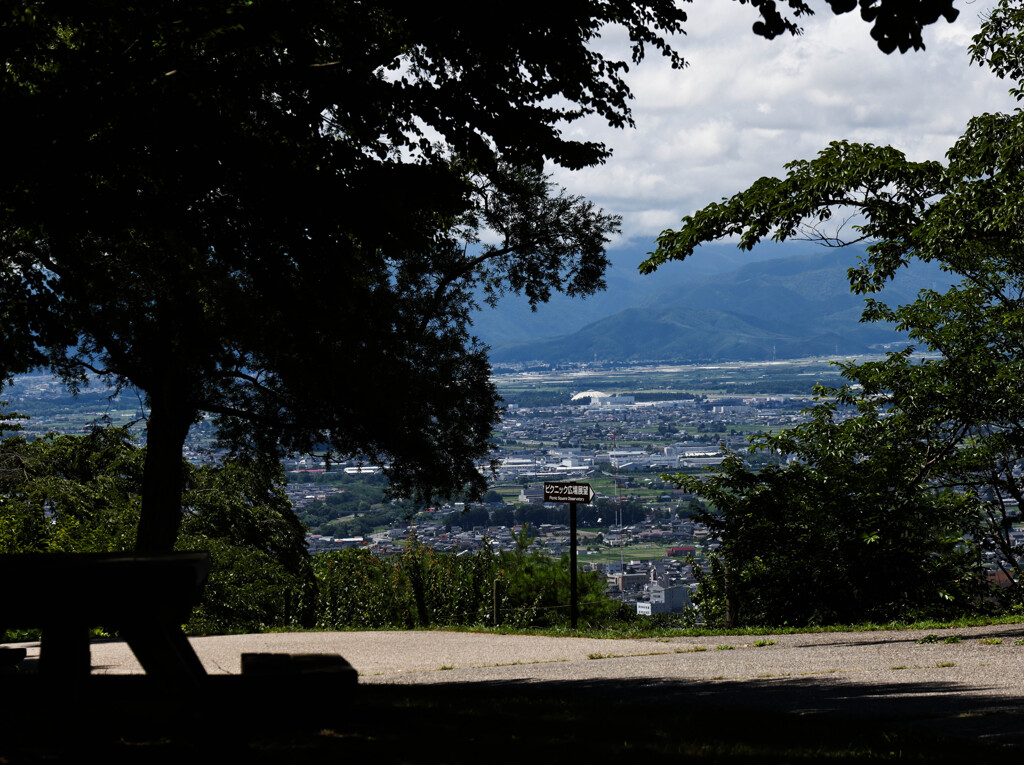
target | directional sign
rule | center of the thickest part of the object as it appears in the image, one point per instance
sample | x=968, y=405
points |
x=568, y=491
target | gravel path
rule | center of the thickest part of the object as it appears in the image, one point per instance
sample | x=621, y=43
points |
x=985, y=661
x=972, y=687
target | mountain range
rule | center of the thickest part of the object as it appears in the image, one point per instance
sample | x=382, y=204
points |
x=780, y=301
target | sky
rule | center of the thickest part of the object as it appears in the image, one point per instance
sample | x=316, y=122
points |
x=745, y=106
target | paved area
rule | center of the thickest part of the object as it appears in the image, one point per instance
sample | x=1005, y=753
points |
x=965, y=682
x=985, y=661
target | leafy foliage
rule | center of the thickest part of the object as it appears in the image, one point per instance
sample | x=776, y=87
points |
x=261, y=574
x=308, y=228
x=231, y=206
x=851, y=530
x=81, y=494
x=68, y=494
x=422, y=588
x=927, y=465
x=356, y=496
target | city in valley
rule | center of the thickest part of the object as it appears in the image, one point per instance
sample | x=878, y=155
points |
x=624, y=430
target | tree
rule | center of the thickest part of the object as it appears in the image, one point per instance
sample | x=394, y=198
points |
x=503, y=516
x=261, y=575
x=851, y=530
x=63, y=493
x=468, y=518
x=68, y=493
x=954, y=419
x=264, y=212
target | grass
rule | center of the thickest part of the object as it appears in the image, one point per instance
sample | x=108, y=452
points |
x=632, y=552
x=641, y=628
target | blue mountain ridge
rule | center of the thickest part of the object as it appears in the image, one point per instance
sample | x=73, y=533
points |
x=781, y=301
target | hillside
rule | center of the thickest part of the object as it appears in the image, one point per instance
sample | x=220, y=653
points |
x=786, y=307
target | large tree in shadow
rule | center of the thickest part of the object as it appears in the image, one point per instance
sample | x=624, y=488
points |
x=278, y=213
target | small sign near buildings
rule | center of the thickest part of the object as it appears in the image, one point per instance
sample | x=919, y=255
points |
x=568, y=491
x=573, y=494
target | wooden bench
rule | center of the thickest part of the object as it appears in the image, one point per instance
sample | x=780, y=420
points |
x=146, y=598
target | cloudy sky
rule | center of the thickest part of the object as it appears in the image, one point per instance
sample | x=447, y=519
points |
x=745, y=106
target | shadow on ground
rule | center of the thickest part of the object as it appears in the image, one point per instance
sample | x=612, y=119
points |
x=1008, y=633
x=121, y=720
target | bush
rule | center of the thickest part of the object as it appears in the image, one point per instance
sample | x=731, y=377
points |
x=424, y=588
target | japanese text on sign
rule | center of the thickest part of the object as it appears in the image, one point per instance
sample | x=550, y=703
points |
x=568, y=492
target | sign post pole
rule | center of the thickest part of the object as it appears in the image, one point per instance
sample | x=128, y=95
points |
x=574, y=610
x=572, y=494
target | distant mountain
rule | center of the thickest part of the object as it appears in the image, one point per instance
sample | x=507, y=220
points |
x=513, y=320
x=784, y=307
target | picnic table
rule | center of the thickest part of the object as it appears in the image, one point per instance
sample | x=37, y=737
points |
x=145, y=598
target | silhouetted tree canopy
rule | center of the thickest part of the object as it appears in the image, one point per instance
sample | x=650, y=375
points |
x=895, y=24
x=263, y=210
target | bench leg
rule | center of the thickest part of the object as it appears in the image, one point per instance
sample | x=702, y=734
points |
x=64, y=652
x=167, y=656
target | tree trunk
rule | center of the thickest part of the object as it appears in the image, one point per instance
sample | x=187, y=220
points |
x=729, y=619
x=162, y=476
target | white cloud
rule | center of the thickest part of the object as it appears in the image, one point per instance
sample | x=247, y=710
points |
x=745, y=106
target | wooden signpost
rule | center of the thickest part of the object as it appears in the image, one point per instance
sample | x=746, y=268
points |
x=573, y=494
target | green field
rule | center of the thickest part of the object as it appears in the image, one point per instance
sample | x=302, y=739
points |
x=629, y=552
